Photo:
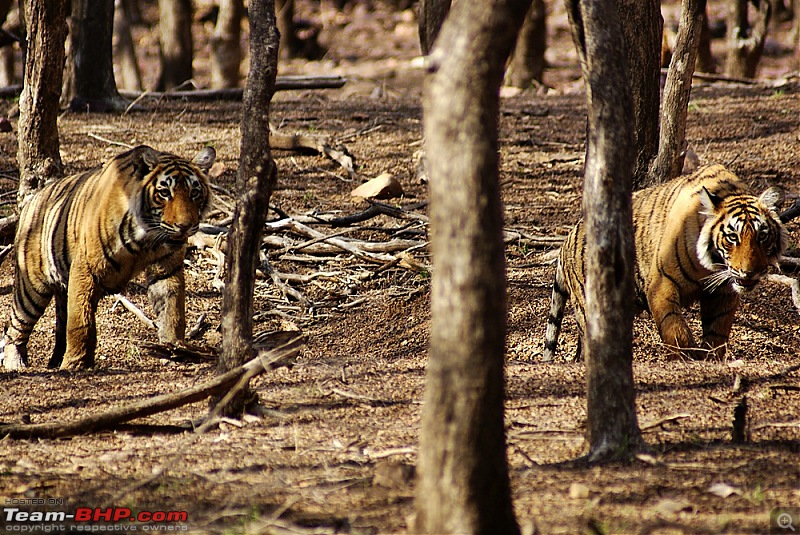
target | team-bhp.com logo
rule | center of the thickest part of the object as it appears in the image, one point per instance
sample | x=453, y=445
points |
x=90, y=519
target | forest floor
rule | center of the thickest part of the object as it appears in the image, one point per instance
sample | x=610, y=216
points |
x=336, y=439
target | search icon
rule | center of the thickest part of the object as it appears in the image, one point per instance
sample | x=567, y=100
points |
x=785, y=521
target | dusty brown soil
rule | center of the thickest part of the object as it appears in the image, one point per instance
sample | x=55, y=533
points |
x=328, y=451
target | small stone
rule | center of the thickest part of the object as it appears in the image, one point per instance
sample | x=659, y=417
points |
x=383, y=186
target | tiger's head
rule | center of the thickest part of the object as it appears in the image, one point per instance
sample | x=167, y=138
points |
x=741, y=237
x=174, y=193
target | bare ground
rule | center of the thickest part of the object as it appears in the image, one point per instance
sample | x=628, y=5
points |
x=338, y=431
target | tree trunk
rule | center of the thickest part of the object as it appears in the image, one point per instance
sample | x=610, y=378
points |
x=705, y=59
x=746, y=42
x=796, y=11
x=642, y=26
x=92, y=86
x=463, y=484
x=612, y=428
x=175, y=38
x=7, y=74
x=254, y=183
x=226, y=51
x=675, y=106
x=431, y=16
x=527, y=63
x=38, y=144
x=124, y=49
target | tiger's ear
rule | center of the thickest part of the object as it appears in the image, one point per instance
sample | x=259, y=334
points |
x=709, y=201
x=205, y=158
x=143, y=159
x=773, y=198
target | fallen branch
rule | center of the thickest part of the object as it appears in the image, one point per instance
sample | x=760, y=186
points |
x=666, y=419
x=792, y=283
x=266, y=359
x=324, y=146
x=136, y=311
x=375, y=209
x=711, y=77
x=283, y=83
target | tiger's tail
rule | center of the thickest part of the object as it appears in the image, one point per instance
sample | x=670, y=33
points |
x=558, y=301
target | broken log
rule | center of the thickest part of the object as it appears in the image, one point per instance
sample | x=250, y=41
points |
x=268, y=358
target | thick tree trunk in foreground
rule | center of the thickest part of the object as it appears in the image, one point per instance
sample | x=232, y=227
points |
x=745, y=40
x=612, y=428
x=527, y=63
x=254, y=183
x=91, y=85
x=175, y=38
x=642, y=26
x=38, y=144
x=463, y=484
x=226, y=51
x=675, y=106
x=431, y=16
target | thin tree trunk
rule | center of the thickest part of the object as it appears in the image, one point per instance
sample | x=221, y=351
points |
x=527, y=63
x=675, y=106
x=705, y=60
x=431, y=16
x=463, y=484
x=175, y=38
x=7, y=75
x=91, y=85
x=643, y=29
x=124, y=49
x=254, y=183
x=38, y=143
x=226, y=50
x=746, y=41
x=613, y=430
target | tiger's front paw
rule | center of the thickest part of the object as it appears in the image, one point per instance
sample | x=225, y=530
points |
x=14, y=357
x=76, y=362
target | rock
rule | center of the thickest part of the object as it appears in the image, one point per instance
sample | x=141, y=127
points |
x=383, y=186
x=393, y=475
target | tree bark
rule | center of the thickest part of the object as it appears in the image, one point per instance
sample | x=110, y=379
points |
x=463, y=484
x=746, y=41
x=642, y=27
x=90, y=85
x=527, y=63
x=175, y=38
x=124, y=49
x=675, y=106
x=612, y=427
x=705, y=59
x=254, y=183
x=431, y=16
x=226, y=51
x=38, y=143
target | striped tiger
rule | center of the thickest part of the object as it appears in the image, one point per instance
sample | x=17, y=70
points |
x=699, y=237
x=89, y=234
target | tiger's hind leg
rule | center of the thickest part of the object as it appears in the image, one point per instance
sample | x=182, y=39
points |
x=558, y=300
x=166, y=291
x=717, y=311
x=29, y=303
x=61, y=331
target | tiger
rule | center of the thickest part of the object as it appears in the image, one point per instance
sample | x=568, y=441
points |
x=699, y=237
x=88, y=235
